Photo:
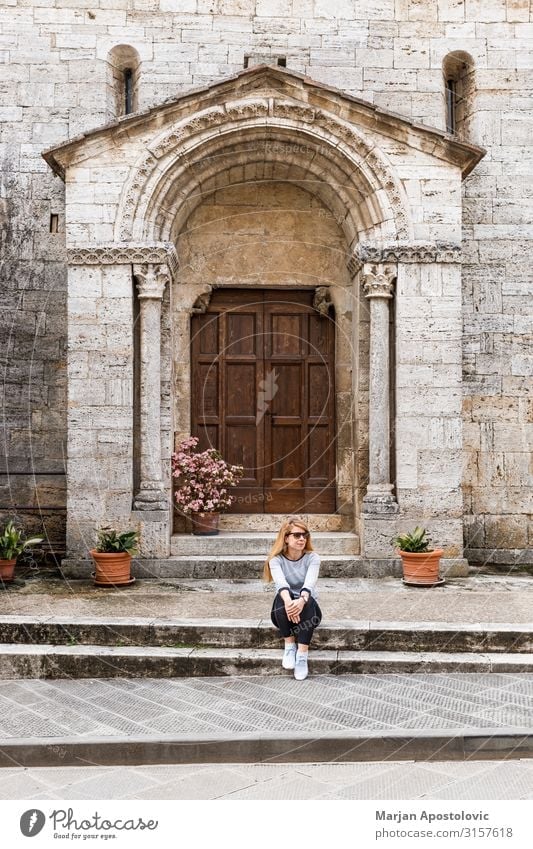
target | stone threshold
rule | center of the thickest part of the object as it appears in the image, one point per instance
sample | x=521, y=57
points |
x=450, y=744
x=89, y=661
x=258, y=543
x=271, y=522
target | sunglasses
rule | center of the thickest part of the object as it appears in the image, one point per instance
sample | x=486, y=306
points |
x=299, y=534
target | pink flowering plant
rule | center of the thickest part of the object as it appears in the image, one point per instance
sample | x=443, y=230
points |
x=203, y=478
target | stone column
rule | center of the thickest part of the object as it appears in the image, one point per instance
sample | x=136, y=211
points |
x=151, y=281
x=378, y=285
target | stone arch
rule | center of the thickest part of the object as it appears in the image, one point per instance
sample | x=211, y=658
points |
x=273, y=140
x=187, y=160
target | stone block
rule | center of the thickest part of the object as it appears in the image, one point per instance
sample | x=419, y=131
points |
x=154, y=531
x=86, y=391
x=505, y=532
x=376, y=536
x=181, y=6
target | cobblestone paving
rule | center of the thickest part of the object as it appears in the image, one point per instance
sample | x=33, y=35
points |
x=139, y=707
x=436, y=780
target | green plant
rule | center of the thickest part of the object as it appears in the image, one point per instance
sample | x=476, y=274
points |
x=111, y=542
x=13, y=543
x=415, y=541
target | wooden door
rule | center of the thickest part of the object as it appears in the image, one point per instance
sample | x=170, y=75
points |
x=263, y=395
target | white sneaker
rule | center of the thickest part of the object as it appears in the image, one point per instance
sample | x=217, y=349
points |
x=301, y=670
x=289, y=657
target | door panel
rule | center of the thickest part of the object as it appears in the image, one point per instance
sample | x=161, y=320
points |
x=263, y=395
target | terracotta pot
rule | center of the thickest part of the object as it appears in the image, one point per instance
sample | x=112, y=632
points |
x=422, y=567
x=7, y=569
x=205, y=524
x=113, y=569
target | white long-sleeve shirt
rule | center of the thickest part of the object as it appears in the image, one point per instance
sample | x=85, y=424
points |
x=296, y=574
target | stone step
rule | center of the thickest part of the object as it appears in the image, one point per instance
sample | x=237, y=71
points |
x=241, y=566
x=253, y=634
x=49, y=661
x=271, y=522
x=230, y=543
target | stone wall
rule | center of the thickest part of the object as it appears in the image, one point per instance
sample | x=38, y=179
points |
x=54, y=84
x=100, y=400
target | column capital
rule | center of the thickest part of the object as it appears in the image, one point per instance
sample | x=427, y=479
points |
x=379, y=279
x=151, y=280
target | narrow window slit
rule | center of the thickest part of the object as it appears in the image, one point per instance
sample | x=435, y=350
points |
x=451, y=106
x=128, y=91
x=54, y=223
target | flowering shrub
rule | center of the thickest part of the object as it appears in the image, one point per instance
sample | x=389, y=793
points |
x=202, y=478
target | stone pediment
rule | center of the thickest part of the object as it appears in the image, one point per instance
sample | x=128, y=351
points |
x=261, y=85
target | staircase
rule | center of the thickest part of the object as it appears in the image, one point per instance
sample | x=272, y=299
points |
x=63, y=647
x=234, y=554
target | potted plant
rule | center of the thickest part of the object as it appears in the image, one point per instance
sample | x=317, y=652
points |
x=420, y=563
x=12, y=543
x=112, y=557
x=203, y=480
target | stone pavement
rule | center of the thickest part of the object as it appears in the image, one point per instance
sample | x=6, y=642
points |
x=477, y=599
x=248, y=719
x=436, y=780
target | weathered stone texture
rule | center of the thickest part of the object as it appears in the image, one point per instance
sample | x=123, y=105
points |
x=54, y=84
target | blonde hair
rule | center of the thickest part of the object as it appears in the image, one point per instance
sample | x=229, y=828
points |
x=280, y=544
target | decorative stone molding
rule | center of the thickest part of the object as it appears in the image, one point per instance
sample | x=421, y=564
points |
x=273, y=113
x=379, y=279
x=354, y=265
x=128, y=253
x=443, y=252
x=322, y=302
x=202, y=302
x=151, y=280
x=293, y=111
x=239, y=109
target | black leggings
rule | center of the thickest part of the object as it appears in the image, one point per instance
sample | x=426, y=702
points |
x=310, y=617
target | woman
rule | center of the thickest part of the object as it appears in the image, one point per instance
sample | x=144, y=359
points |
x=293, y=566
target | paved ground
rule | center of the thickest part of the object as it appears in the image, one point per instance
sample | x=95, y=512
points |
x=451, y=703
x=476, y=599
x=471, y=780
x=96, y=708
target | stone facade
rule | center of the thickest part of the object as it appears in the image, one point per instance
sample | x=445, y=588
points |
x=462, y=409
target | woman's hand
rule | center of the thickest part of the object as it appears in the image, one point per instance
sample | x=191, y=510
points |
x=294, y=608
